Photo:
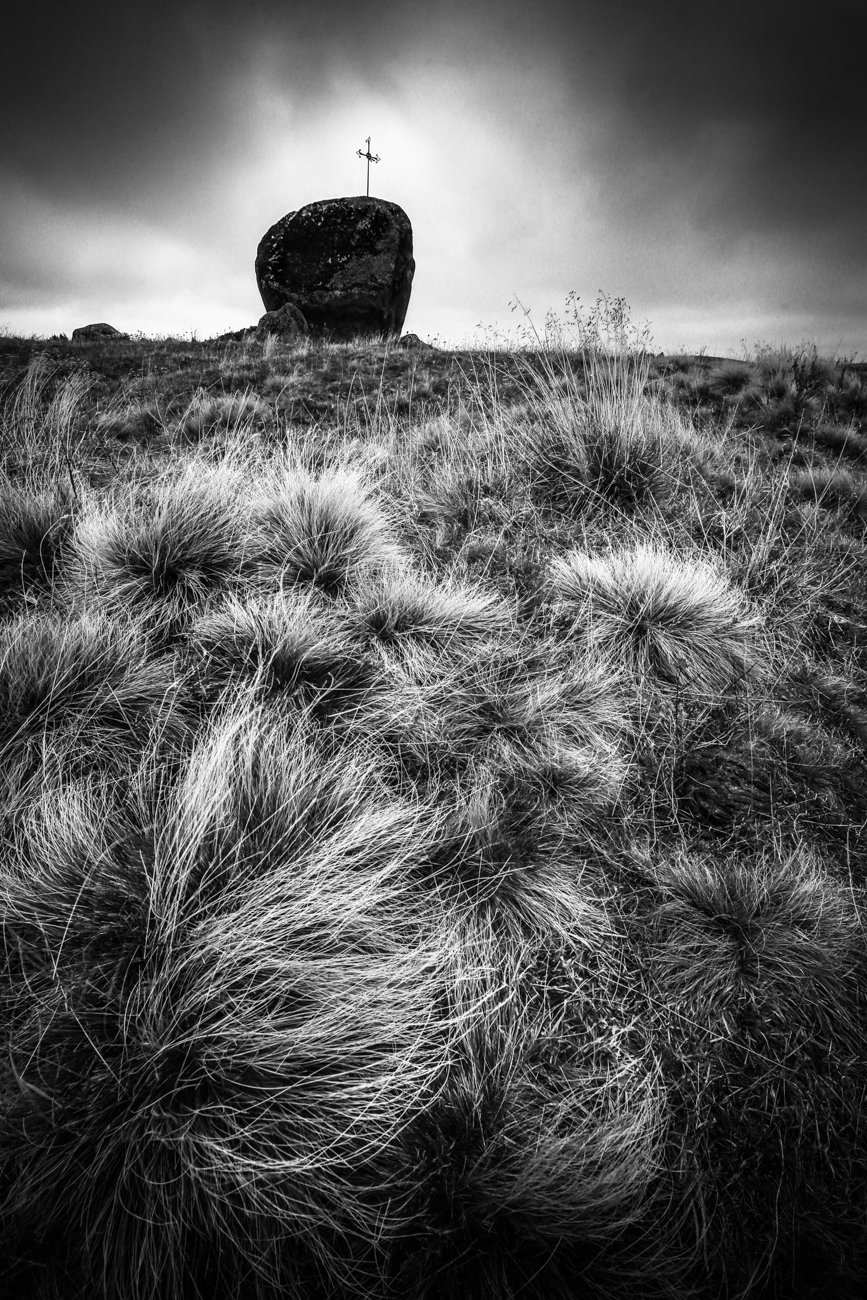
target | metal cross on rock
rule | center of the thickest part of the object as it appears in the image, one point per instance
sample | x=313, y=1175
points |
x=371, y=157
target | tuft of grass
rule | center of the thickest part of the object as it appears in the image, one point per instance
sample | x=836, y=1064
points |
x=730, y=379
x=547, y=1133
x=206, y=1042
x=847, y=397
x=832, y=487
x=233, y=413
x=138, y=420
x=162, y=555
x=297, y=650
x=836, y=698
x=757, y=964
x=323, y=531
x=35, y=529
x=773, y=937
x=673, y=617
x=624, y=460
x=80, y=693
x=40, y=423
x=404, y=606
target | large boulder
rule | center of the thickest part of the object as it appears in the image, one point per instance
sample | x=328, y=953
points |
x=97, y=332
x=346, y=264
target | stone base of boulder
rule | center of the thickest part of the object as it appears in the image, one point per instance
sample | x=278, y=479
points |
x=287, y=322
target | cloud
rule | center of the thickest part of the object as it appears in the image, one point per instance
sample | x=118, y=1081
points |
x=69, y=264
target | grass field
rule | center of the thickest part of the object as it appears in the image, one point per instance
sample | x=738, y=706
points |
x=434, y=822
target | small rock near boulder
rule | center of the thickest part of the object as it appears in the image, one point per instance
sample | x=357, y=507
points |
x=89, y=333
x=412, y=341
x=237, y=336
x=287, y=322
x=346, y=264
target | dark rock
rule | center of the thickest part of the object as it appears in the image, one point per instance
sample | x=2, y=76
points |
x=287, y=322
x=89, y=333
x=237, y=336
x=346, y=264
x=413, y=341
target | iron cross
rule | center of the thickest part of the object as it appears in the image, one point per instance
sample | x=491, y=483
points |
x=371, y=157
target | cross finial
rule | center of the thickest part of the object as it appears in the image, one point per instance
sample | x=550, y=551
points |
x=371, y=157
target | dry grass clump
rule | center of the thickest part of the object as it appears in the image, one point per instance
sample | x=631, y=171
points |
x=758, y=968
x=78, y=693
x=540, y=1157
x=731, y=378
x=467, y=481
x=233, y=413
x=600, y=440
x=325, y=531
x=624, y=460
x=842, y=439
x=290, y=648
x=835, y=698
x=136, y=420
x=673, y=617
x=405, y=606
x=774, y=768
x=527, y=757
x=221, y=1002
x=40, y=420
x=847, y=397
x=774, y=937
x=35, y=528
x=831, y=487
x=163, y=554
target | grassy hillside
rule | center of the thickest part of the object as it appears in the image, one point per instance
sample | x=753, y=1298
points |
x=434, y=822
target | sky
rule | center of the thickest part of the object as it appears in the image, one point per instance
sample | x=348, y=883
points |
x=707, y=162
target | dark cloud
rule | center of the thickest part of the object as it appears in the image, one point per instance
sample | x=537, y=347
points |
x=767, y=100
x=106, y=96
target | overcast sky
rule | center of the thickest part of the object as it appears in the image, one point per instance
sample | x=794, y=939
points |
x=706, y=161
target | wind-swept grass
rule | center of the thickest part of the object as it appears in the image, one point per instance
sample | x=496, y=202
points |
x=670, y=617
x=162, y=554
x=323, y=531
x=292, y=649
x=35, y=528
x=433, y=851
x=214, y=1053
x=80, y=693
x=758, y=970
